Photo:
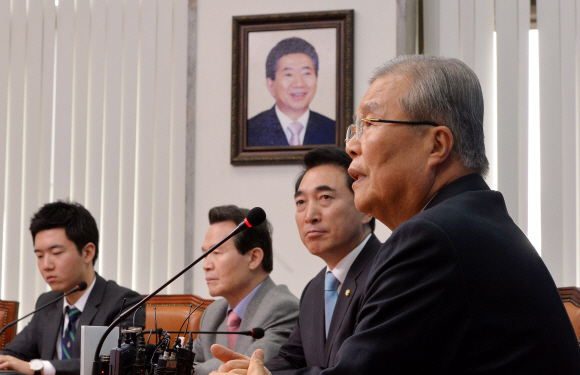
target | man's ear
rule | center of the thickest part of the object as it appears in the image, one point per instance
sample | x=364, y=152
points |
x=441, y=145
x=270, y=86
x=88, y=253
x=256, y=255
x=367, y=219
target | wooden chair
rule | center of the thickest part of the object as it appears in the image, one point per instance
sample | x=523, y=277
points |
x=571, y=298
x=8, y=313
x=172, y=310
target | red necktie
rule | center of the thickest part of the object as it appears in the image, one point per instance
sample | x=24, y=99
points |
x=233, y=326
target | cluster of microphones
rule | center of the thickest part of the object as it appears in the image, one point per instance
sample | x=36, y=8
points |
x=136, y=356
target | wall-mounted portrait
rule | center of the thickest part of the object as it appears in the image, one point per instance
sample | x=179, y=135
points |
x=292, y=84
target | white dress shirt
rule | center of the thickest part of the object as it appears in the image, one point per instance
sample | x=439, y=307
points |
x=341, y=269
x=80, y=304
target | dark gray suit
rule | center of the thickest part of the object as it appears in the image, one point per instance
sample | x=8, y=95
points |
x=272, y=308
x=308, y=351
x=38, y=339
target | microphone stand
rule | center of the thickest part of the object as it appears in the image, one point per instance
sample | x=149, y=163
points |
x=76, y=288
x=133, y=308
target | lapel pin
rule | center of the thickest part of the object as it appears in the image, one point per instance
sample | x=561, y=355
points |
x=347, y=293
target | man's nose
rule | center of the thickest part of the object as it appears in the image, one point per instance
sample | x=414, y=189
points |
x=312, y=213
x=207, y=263
x=47, y=263
x=298, y=80
x=353, y=147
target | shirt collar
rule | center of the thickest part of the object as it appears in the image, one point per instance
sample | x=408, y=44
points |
x=342, y=267
x=80, y=304
x=240, y=308
x=285, y=120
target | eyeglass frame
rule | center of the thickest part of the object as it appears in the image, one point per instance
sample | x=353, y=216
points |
x=359, y=125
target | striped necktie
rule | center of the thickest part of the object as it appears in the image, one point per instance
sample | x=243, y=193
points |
x=69, y=333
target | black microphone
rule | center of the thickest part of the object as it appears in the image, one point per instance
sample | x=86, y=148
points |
x=79, y=287
x=256, y=333
x=256, y=216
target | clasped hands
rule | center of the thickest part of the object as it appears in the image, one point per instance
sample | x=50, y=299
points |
x=236, y=363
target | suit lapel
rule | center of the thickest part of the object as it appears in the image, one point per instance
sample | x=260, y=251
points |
x=278, y=136
x=317, y=327
x=251, y=310
x=223, y=339
x=312, y=129
x=351, y=284
x=53, y=328
x=89, y=312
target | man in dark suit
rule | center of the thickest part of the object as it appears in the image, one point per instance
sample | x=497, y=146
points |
x=331, y=228
x=291, y=78
x=457, y=288
x=66, y=244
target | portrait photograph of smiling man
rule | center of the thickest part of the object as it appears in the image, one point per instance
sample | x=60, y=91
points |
x=292, y=76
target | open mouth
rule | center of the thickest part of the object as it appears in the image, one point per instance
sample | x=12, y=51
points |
x=356, y=175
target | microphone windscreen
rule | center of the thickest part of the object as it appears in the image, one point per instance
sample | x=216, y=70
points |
x=82, y=286
x=257, y=333
x=256, y=216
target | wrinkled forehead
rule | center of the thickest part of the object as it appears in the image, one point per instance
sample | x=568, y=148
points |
x=386, y=91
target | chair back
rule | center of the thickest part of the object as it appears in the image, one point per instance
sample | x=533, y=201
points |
x=8, y=313
x=571, y=298
x=172, y=310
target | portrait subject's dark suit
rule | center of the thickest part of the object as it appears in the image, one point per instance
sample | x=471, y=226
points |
x=38, y=339
x=459, y=289
x=265, y=129
x=307, y=351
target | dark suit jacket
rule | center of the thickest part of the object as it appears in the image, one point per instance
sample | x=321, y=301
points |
x=38, y=338
x=459, y=289
x=265, y=129
x=307, y=351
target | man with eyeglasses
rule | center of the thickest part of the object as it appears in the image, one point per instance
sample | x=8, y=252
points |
x=457, y=288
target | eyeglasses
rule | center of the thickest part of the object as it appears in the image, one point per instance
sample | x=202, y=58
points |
x=357, y=127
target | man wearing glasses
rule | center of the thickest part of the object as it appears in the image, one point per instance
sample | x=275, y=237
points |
x=333, y=229
x=457, y=288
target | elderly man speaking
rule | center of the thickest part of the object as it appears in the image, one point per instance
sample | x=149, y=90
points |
x=457, y=288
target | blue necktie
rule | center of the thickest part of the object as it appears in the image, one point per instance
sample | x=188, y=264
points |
x=330, y=297
x=70, y=331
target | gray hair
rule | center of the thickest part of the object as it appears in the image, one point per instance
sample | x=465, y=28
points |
x=447, y=92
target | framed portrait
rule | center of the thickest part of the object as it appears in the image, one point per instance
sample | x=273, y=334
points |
x=291, y=84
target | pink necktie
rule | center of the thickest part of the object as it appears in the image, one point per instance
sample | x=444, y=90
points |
x=295, y=128
x=233, y=326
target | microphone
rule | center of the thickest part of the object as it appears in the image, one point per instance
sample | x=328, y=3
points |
x=79, y=287
x=256, y=216
x=256, y=333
